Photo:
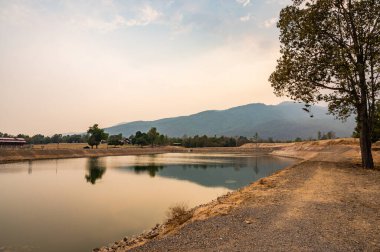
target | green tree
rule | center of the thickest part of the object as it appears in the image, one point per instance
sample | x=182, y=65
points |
x=56, y=138
x=96, y=135
x=26, y=137
x=38, y=139
x=153, y=136
x=139, y=138
x=298, y=139
x=331, y=135
x=74, y=139
x=376, y=126
x=115, y=140
x=331, y=52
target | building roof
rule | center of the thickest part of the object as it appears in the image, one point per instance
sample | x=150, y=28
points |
x=12, y=140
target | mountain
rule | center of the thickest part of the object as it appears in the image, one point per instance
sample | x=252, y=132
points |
x=284, y=121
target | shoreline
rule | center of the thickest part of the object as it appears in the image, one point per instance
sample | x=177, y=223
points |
x=307, y=179
x=21, y=155
x=266, y=214
x=222, y=205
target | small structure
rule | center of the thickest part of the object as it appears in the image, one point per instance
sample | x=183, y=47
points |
x=11, y=142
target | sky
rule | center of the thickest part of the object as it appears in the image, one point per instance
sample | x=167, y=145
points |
x=67, y=64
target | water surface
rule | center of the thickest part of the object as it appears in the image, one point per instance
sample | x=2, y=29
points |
x=83, y=203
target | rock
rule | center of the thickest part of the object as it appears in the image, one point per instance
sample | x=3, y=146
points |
x=151, y=235
x=248, y=222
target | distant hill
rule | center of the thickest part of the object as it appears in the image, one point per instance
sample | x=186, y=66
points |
x=284, y=121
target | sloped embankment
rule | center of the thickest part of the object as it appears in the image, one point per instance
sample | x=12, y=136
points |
x=325, y=202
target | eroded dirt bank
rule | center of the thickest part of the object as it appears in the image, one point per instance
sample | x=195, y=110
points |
x=324, y=203
x=15, y=155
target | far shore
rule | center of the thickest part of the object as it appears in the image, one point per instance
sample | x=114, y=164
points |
x=54, y=151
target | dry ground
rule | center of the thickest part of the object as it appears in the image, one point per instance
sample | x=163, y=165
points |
x=324, y=203
x=54, y=151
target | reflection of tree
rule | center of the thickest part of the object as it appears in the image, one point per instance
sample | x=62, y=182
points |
x=96, y=170
x=256, y=168
x=151, y=169
x=30, y=170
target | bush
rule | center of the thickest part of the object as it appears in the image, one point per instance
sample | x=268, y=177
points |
x=178, y=214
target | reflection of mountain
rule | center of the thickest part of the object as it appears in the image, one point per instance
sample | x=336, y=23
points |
x=96, y=170
x=235, y=173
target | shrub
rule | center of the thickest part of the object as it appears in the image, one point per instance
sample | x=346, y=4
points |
x=178, y=214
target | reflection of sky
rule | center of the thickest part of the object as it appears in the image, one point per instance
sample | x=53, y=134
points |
x=229, y=171
x=60, y=205
x=54, y=208
x=212, y=170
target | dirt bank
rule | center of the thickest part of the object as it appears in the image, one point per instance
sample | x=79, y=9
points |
x=14, y=155
x=324, y=203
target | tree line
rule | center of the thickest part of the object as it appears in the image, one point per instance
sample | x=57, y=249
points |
x=95, y=136
x=56, y=138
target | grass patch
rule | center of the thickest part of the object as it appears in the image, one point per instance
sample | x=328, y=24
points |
x=178, y=214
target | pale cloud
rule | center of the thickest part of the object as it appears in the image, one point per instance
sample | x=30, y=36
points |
x=177, y=25
x=88, y=54
x=16, y=14
x=245, y=18
x=270, y=22
x=143, y=16
x=243, y=2
x=99, y=24
x=146, y=15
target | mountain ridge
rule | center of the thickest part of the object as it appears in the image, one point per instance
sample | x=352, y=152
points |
x=284, y=121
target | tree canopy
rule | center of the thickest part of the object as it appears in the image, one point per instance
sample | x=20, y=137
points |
x=96, y=135
x=153, y=136
x=330, y=51
x=115, y=140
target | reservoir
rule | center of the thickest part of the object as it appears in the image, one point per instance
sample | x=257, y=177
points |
x=82, y=203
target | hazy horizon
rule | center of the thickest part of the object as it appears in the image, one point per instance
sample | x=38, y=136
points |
x=66, y=65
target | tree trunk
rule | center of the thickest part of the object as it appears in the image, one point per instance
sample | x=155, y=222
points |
x=365, y=139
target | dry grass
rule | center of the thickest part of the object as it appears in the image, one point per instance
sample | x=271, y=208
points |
x=178, y=214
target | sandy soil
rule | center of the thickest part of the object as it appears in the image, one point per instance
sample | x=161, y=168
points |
x=324, y=203
x=14, y=155
x=75, y=151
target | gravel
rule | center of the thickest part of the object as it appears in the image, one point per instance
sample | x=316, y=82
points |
x=315, y=205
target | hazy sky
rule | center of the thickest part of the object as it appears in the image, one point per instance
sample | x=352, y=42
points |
x=65, y=65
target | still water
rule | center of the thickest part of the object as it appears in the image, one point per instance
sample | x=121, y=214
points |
x=83, y=203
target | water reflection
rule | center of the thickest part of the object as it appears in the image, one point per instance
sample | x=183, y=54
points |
x=152, y=169
x=30, y=169
x=228, y=172
x=133, y=195
x=96, y=169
